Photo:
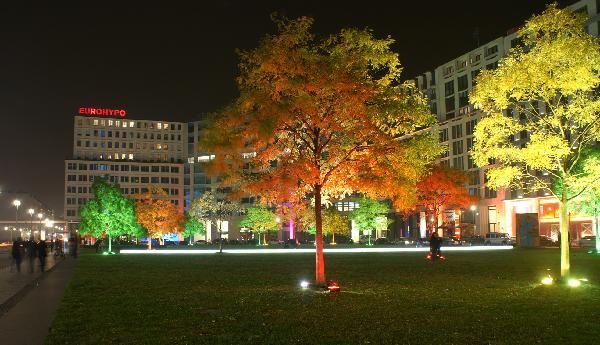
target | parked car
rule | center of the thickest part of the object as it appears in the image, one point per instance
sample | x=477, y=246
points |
x=452, y=241
x=406, y=242
x=217, y=240
x=497, y=239
x=546, y=241
x=382, y=241
x=588, y=241
x=474, y=241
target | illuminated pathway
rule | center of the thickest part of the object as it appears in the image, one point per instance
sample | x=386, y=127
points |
x=327, y=250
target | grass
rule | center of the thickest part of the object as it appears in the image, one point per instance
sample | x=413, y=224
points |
x=399, y=298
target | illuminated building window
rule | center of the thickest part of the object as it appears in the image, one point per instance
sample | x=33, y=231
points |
x=102, y=123
x=110, y=122
x=159, y=125
x=123, y=156
x=95, y=122
x=118, y=123
x=166, y=126
x=346, y=206
x=131, y=156
x=190, y=160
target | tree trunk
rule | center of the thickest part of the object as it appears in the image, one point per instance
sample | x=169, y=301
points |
x=220, y=239
x=565, y=265
x=332, y=237
x=190, y=241
x=149, y=242
x=109, y=244
x=319, y=260
x=597, y=233
x=265, y=242
x=259, y=244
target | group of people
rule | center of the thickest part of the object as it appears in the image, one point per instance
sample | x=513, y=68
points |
x=31, y=250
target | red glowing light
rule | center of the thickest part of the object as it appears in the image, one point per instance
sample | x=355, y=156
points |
x=333, y=286
x=103, y=112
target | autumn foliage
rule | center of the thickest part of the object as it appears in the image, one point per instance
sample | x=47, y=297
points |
x=321, y=117
x=157, y=214
x=444, y=188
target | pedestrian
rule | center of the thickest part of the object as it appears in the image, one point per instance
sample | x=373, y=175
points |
x=31, y=253
x=73, y=247
x=17, y=253
x=97, y=244
x=435, y=243
x=51, y=245
x=41, y=252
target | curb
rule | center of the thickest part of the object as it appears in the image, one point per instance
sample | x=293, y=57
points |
x=14, y=299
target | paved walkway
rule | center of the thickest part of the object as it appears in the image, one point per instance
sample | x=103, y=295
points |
x=29, y=301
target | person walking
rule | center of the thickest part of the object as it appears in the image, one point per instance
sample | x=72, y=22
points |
x=42, y=253
x=17, y=253
x=31, y=253
x=51, y=245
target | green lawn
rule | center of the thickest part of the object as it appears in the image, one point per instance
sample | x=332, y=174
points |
x=399, y=298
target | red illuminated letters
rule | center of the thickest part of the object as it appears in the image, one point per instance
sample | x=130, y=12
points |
x=102, y=112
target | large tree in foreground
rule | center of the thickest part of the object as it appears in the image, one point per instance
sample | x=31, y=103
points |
x=443, y=188
x=157, y=214
x=108, y=213
x=321, y=117
x=552, y=82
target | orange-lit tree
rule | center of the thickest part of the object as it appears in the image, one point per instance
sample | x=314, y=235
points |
x=321, y=118
x=157, y=214
x=443, y=188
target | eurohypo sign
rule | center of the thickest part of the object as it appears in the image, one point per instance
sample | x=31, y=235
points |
x=103, y=112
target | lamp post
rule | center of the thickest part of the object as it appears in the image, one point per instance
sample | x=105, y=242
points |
x=473, y=208
x=16, y=203
x=31, y=212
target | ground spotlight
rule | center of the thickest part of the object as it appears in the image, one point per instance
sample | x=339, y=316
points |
x=574, y=282
x=548, y=280
x=304, y=284
x=333, y=286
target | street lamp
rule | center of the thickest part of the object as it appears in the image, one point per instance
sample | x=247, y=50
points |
x=16, y=203
x=473, y=208
x=31, y=212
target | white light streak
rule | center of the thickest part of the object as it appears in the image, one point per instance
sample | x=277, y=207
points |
x=307, y=250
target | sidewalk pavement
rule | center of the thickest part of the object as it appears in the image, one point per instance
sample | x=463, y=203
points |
x=29, y=301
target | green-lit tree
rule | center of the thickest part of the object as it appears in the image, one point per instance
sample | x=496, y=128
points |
x=371, y=215
x=588, y=202
x=551, y=81
x=209, y=208
x=108, y=213
x=261, y=220
x=191, y=227
x=334, y=222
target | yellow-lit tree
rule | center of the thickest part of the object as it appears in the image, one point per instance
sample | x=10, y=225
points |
x=157, y=214
x=550, y=83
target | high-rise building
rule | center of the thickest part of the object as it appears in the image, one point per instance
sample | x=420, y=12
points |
x=133, y=153
x=448, y=87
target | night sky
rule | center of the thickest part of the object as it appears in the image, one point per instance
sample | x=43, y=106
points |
x=176, y=62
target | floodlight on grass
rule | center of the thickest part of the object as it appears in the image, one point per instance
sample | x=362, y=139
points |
x=304, y=284
x=574, y=282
